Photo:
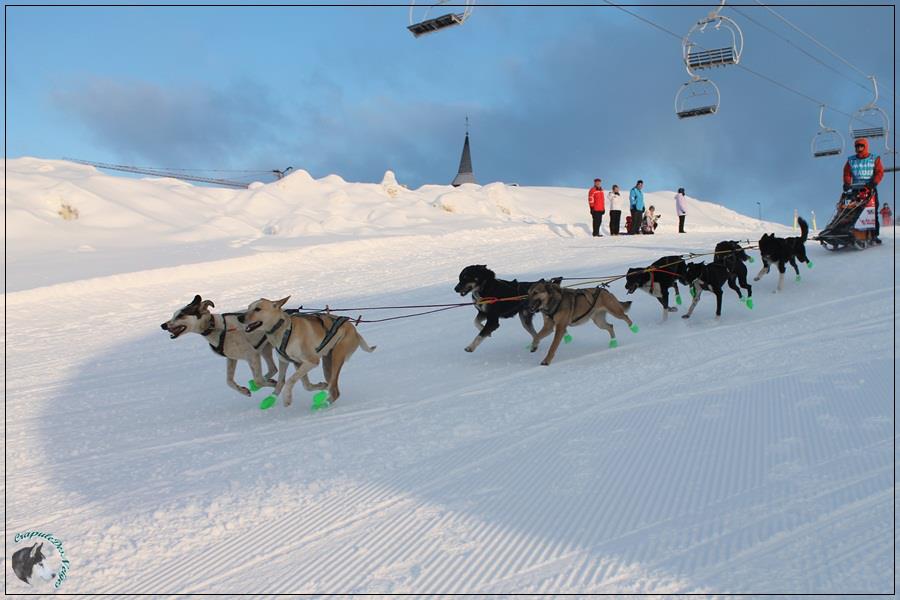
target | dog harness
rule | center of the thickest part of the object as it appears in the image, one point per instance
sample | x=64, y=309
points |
x=652, y=278
x=219, y=348
x=555, y=309
x=335, y=325
x=329, y=334
x=593, y=304
x=280, y=349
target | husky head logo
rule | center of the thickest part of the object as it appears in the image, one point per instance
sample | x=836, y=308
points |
x=30, y=563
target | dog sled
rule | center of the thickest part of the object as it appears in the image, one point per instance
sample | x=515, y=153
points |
x=853, y=224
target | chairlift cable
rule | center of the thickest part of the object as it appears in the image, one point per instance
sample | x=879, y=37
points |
x=799, y=48
x=740, y=65
x=249, y=171
x=814, y=40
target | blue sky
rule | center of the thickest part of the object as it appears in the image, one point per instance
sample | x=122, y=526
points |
x=555, y=95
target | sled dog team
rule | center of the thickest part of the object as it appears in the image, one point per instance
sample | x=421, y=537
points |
x=306, y=339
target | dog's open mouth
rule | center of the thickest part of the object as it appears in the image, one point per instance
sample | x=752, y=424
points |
x=252, y=326
x=176, y=331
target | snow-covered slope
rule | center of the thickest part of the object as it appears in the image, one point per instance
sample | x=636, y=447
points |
x=752, y=454
x=124, y=225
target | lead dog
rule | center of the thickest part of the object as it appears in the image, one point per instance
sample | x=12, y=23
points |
x=28, y=562
x=564, y=307
x=483, y=283
x=304, y=340
x=783, y=250
x=226, y=338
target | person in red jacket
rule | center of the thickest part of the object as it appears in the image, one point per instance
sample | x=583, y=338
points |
x=886, y=215
x=597, y=204
x=865, y=168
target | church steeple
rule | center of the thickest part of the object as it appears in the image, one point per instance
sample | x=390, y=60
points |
x=465, y=174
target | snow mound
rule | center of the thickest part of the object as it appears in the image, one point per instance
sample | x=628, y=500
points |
x=126, y=219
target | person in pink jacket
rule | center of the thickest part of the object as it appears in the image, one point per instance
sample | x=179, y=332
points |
x=680, y=209
x=597, y=204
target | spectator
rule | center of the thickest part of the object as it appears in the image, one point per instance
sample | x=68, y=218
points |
x=648, y=226
x=597, y=204
x=615, y=210
x=886, y=214
x=636, y=202
x=680, y=209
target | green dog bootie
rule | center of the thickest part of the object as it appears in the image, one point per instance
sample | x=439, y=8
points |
x=251, y=385
x=693, y=293
x=749, y=303
x=614, y=343
x=797, y=278
x=320, y=401
x=567, y=338
x=268, y=402
x=678, y=299
x=751, y=259
x=809, y=264
x=634, y=328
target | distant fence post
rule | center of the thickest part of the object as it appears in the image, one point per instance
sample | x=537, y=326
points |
x=794, y=224
x=814, y=227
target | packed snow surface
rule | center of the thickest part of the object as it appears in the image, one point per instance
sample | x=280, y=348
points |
x=748, y=454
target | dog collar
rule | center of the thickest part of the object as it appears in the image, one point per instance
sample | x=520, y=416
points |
x=277, y=325
x=212, y=325
x=553, y=311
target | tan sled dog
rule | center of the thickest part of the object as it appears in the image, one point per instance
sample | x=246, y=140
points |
x=303, y=339
x=226, y=338
x=564, y=307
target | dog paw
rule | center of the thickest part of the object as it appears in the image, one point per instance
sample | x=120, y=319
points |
x=244, y=391
x=271, y=382
x=545, y=363
x=470, y=349
x=685, y=316
x=672, y=309
x=287, y=401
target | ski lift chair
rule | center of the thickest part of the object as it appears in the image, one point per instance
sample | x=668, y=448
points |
x=871, y=121
x=696, y=57
x=420, y=23
x=697, y=98
x=827, y=141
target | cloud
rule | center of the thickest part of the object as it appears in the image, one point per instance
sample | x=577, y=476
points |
x=175, y=126
x=598, y=101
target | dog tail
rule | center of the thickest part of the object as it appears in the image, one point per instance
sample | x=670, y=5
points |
x=363, y=344
x=804, y=229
